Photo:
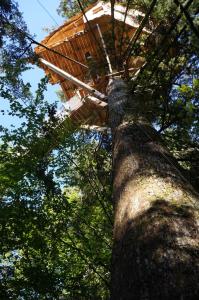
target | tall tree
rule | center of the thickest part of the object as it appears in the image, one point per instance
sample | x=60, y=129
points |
x=155, y=251
x=156, y=240
x=156, y=235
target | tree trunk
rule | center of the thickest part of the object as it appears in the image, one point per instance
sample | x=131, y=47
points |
x=156, y=214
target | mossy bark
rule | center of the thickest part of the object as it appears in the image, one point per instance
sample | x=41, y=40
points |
x=156, y=214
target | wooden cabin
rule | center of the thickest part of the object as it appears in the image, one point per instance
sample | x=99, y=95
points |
x=85, y=40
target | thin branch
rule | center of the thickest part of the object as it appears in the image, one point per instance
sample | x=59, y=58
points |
x=188, y=17
x=123, y=27
x=172, y=27
x=86, y=175
x=166, y=125
x=135, y=37
x=73, y=246
x=90, y=27
x=188, y=159
x=86, y=241
x=25, y=50
x=96, y=233
x=155, y=68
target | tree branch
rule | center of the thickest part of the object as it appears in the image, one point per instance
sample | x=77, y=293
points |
x=188, y=17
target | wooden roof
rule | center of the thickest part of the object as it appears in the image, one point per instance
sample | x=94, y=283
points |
x=76, y=40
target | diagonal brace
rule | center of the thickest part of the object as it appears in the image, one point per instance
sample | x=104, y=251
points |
x=74, y=80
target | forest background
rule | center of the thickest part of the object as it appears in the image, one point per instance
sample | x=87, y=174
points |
x=56, y=214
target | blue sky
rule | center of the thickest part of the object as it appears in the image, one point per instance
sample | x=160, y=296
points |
x=36, y=19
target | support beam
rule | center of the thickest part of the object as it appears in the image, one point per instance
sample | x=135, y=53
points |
x=96, y=101
x=73, y=79
x=96, y=128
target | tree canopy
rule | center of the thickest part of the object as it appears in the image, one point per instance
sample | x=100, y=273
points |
x=55, y=180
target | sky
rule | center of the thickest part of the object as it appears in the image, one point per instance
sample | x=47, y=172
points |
x=36, y=15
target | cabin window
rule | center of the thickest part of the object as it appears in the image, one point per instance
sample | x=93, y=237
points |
x=88, y=55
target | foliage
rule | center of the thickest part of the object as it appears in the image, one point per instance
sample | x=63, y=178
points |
x=68, y=8
x=14, y=49
x=55, y=179
x=56, y=228
x=54, y=225
x=55, y=236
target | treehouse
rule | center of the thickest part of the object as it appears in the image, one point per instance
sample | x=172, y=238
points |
x=80, y=56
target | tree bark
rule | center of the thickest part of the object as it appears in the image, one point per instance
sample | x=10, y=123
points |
x=156, y=214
